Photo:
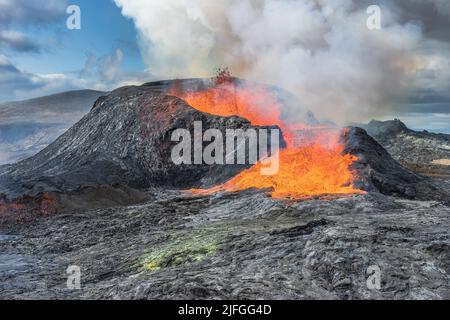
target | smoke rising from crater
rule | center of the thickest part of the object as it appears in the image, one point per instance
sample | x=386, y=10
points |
x=320, y=50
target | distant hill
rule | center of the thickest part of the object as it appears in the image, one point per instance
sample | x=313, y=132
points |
x=59, y=107
x=28, y=126
x=422, y=151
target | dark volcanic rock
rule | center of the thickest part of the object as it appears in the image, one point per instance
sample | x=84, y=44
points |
x=379, y=129
x=424, y=152
x=234, y=246
x=378, y=171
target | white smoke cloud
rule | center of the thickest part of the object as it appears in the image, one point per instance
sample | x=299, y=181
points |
x=320, y=50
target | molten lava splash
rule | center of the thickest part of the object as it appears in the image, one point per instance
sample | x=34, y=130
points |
x=312, y=163
x=256, y=104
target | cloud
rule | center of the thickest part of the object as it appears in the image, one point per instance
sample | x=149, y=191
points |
x=433, y=75
x=100, y=73
x=106, y=72
x=432, y=15
x=15, y=82
x=22, y=15
x=18, y=41
x=12, y=78
x=109, y=66
x=320, y=50
x=31, y=13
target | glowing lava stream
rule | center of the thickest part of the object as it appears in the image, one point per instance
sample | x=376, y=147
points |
x=313, y=167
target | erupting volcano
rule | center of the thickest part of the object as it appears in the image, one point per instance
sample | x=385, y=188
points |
x=111, y=180
x=312, y=164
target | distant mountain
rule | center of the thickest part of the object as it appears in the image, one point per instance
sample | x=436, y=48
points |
x=28, y=126
x=55, y=108
x=421, y=151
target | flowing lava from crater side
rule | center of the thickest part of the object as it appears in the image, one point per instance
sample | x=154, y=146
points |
x=309, y=167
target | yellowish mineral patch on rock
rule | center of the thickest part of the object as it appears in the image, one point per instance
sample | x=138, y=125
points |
x=443, y=162
x=186, y=249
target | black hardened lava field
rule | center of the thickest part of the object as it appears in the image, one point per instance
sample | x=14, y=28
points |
x=105, y=196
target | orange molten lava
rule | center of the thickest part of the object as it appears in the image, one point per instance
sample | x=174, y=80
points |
x=256, y=105
x=311, y=165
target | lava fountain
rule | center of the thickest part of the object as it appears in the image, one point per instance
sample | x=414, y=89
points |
x=311, y=165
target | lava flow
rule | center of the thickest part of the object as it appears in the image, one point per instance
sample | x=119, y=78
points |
x=312, y=164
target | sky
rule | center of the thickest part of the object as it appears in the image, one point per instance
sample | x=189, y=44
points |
x=318, y=49
x=39, y=55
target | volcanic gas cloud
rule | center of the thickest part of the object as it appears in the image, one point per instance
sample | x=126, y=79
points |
x=312, y=164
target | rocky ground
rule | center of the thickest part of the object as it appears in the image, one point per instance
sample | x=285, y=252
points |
x=423, y=152
x=238, y=246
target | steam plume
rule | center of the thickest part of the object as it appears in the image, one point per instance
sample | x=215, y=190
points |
x=320, y=50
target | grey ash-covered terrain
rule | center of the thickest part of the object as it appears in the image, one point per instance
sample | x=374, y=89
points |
x=105, y=198
x=238, y=246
